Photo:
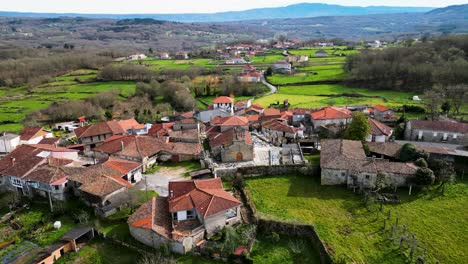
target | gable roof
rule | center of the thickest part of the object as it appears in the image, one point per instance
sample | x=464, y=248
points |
x=379, y=129
x=271, y=112
x=331, y=113
x=227, y=137
x=25, y=158
x=381, y=108
x=234, y=121
x=277, y=125
x=130, y=124
x=207, y=197
x=108, y=127
x=51, y=172
x=153, y=215
x=223, y=100
x=32, y=132
x=448, y=126
x=133, y=146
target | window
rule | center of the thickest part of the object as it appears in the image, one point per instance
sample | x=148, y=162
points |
x=343, y=174
x=57, y=187
x=435, y=134
x=190, y=215
x=367, y=177
x=66, y=184
x=445, y=136
x=174, y=216
x=454, y=136
x=231, y=213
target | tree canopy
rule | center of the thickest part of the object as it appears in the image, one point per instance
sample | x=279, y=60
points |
x=359, y=128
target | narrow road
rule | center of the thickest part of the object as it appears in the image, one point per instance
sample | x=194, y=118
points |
x=273, y=89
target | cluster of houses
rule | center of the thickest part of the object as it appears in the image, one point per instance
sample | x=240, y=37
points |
x=108, y=158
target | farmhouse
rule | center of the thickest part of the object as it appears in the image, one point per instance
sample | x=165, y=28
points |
x=278, y=129
x=282, y=67
x=233, y=145
x=251, y=77
x=104, y=185
x=164, y=56
x=93, y=135
x=34, y=170
x=383, y=113
x=345, y=162
x=193, y=210
x=226, y=123
x=242, y=105
x=437, y=131
x=225, y=103
x=137, y=57
x=379, y=131
x=331, y=115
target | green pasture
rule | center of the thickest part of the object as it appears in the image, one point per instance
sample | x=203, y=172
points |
x=309, y=74
x=353, y=233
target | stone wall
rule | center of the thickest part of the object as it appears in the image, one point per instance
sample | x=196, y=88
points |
x=229, y=154
x=274, y=170
x=150, y=238
x=287, y=229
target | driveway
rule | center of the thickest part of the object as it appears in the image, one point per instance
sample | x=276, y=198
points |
x=159, y=180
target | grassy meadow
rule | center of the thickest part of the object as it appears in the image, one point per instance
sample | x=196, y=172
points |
x=314, y=96
x=16, y=103
x=354, y=234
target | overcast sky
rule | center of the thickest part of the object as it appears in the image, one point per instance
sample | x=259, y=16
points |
x=186, y=6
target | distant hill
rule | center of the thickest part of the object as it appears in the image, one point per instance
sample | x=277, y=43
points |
x=292, y=11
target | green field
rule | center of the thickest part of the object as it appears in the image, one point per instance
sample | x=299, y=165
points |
x=310, y=74
x=312, y=96
x=354, y=234
x=16, y=103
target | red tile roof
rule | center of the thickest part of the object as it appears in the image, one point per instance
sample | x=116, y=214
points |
x=253, y=118
x=130, y=124
x=277, y=125
x=379, y=129
x=381, y=108
x=49, y=141
x=160, y=129
x=133, y=146
x=108, y=127
x=207, y=197
x=271, y=112
x=331, y=113
x=153, y=215
x=32, y=132
x=223, y=100
x=235, y=121
x=227, y=137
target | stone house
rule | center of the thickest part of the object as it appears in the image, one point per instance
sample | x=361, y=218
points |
x=164, y=56
x=38, y=170
x=103, y=186
x=93, y=135
x=282, y=67
x=379, y=132
x=331, y=115
x=437, y=131
x=33, y=135
x=241, y=105
x=344, y=162
x=142, y=149
x=193, y=210
x=226, y=123
x=278, y=129
x=181, y=55
x=300, y=116
x=383, y=113
x=254, y=109
x=233, y=145
x=251, y=77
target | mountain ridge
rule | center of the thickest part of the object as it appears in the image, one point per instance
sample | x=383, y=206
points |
x=301, y=10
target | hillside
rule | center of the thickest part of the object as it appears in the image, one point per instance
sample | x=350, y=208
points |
x=291, y=11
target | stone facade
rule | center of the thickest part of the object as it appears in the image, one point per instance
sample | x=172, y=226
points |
x=364, y=179
x=413, y=134
x=237, y=151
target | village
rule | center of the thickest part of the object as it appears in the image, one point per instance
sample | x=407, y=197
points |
x=184, y=184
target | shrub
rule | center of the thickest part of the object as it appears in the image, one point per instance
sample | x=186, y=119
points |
x=425, y=176
x=421, y=163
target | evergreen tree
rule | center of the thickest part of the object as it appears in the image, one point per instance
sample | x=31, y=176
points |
x=359, y=128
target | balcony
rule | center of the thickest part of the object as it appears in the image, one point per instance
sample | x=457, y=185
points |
x=189, y=227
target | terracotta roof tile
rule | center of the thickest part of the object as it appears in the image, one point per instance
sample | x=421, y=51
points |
x=207, y=197
x=223, y=100
x=108, y=127
x=277, y=125
x=271, y=112
x=227, y=137
x=331, y=113
x=381, y=108
x=379, y=129
x=133, y=146
x=130, y=124
x=153, y=215
x=32, y=132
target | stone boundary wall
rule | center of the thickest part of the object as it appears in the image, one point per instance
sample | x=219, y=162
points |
x=285, y=228
x=274, y=170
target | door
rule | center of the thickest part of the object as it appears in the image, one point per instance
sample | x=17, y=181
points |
x=239, y=156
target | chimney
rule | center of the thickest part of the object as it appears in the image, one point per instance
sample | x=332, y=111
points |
x=12, y=161
x=122, y=145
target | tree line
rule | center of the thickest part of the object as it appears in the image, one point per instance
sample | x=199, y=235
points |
x=35, y=71
x=419, y=67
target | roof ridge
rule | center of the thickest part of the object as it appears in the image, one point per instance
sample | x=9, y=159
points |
x=208, y=207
